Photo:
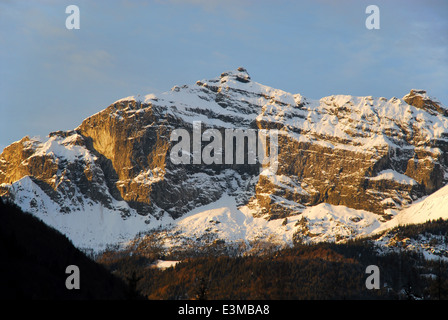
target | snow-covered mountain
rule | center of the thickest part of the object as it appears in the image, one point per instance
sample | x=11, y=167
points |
x=346, y=166
x=432, y=207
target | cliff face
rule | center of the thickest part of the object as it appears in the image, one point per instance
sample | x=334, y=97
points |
x=364, y=153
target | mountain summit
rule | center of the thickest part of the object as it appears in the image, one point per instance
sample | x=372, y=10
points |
x=112, y=176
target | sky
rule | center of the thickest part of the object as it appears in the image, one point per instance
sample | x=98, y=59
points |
x=52, y=78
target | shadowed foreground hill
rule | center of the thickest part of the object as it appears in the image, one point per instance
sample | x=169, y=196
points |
x=34, y=258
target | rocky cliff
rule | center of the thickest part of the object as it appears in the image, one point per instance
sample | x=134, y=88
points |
x=366, y=153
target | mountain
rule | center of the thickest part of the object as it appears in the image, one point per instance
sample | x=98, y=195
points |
x=341, y=166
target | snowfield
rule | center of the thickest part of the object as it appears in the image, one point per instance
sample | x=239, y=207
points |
x=96, y=227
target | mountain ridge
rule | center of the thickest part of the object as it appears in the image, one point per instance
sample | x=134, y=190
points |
x=114, y=172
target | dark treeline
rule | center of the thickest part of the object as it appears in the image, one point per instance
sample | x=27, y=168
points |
x=319, y=271
x=34, y=258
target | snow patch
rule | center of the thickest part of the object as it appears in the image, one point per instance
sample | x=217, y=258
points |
x=64, y=148
x=164, y=264
x=390, y=174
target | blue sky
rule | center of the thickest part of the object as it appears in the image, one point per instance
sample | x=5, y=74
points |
x=52, y=78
